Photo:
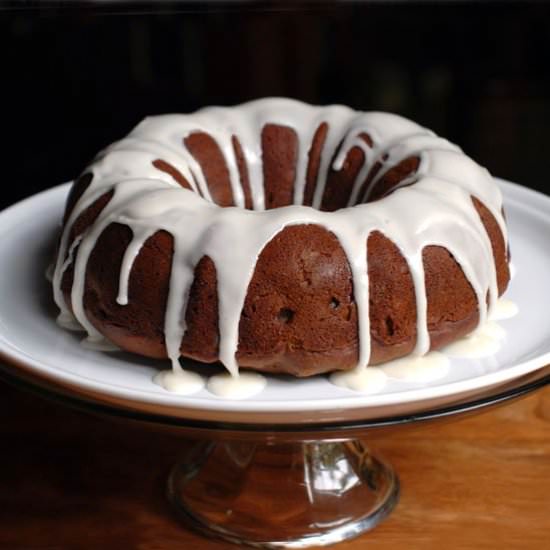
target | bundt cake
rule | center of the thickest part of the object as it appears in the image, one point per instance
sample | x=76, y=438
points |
x=281, y=237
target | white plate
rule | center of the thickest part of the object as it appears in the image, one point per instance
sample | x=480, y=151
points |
x=31, y=340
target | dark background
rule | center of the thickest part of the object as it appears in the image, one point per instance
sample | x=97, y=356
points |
x=75, y=77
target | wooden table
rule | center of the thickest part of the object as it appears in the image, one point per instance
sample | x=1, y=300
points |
x=73, y=481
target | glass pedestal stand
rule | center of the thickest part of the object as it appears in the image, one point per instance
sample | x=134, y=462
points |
x=291, y=495
x=281, y=486
x=308, y=486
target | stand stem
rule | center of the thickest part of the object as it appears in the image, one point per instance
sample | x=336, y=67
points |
x=290, y=495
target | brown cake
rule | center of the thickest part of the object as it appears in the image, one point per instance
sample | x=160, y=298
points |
x=180, y=239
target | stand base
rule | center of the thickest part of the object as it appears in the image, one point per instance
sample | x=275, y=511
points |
x=291, y=495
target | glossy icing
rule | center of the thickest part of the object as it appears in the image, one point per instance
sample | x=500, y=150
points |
x=366, y=381
x=436, y=210
x=422, y=369
x=504, y=309
x=486, y=340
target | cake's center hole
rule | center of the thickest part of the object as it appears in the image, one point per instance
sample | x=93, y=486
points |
x=279, y=172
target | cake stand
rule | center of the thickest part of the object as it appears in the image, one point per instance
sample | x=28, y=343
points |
x=291, y=467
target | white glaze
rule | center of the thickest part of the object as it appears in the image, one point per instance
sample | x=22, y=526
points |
x=368, y=380
x=422, y=369
x=504, y=309
x=437, y=210
x=245, y=385
x=483, y=342
x=179, y=381
x=68, y=322
x=101, y=344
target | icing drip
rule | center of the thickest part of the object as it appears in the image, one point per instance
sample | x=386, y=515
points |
x=68, y=322
x=101, y=344
x=414, y=369
x=245, y=385
x=179, y=381
x=367, y=380
x=436, y=210
x=428, y=368
x=504, y=309
x=486, y=340
x=128, y=261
